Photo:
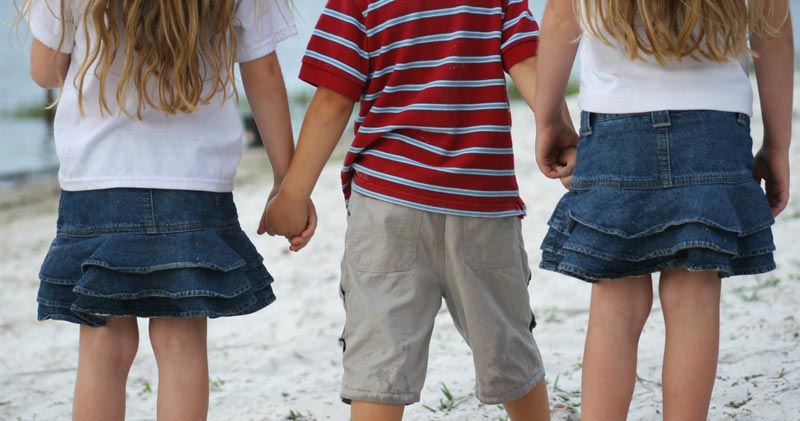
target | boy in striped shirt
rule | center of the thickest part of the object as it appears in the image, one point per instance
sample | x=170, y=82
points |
x=433, y=203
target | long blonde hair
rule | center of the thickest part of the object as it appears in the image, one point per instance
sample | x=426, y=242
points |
x=183, y=50
x=715, y=30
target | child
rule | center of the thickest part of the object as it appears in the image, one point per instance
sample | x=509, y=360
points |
x=149, y=138
x=663, y=180
x=434, y=209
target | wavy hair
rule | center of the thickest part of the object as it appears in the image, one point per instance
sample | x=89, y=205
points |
x=175, y=54
x=715, y=30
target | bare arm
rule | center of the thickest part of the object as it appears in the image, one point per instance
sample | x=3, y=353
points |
x=524, y=76
x=266, y=93
x=48, y=67
x=554, y=129
x=774, y=65
x=326, y=119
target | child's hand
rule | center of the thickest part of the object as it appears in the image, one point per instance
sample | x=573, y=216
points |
x=551, y=142
x=295, y=242
x=285, y=217
x=773, y=167
x=298, y=242
x=567, y=159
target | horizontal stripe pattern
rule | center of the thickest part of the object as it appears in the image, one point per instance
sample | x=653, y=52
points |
x=434, y=129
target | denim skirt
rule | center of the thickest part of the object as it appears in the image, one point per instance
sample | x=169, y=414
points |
x=661, y=190
x=150, y=253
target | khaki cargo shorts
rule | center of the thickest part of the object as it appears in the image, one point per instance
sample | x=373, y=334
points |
x=398, y=264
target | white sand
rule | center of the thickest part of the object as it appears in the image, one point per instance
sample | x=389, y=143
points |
x=286, y=358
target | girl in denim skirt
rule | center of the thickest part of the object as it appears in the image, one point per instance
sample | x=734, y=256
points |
x=664, y=176
x=148, y=138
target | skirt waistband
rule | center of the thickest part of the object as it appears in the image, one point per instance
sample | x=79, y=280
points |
x=657, y=118
x=144, y=211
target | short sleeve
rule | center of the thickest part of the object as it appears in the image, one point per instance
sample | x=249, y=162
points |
x=337, y=56
x=520, y=33
x=47, y=24
x=260, y=26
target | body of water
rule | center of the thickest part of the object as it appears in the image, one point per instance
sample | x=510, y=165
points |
x=26, y=145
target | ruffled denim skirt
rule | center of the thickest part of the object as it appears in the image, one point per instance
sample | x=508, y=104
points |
x=150, y=253
x=661, y=190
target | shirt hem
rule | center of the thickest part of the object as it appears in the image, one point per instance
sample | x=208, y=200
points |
x=50, y=39
x=266, y=47
x=519, y=52
x=146, y=183
x=633, y=104
x=319, y=77
x=434, y=206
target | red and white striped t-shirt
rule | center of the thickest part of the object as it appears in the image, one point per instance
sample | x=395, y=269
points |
x=434, y=128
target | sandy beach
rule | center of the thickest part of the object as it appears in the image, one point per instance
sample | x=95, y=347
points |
x=283, y=363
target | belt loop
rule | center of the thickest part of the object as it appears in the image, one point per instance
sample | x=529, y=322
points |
x=742, y=118
x=586, y=123
x=660, y=118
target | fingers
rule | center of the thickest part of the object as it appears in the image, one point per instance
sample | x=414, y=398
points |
x=556, y=151
x=262, y=227
x=566, y=182
x=298, y=242
x=566, y=161
x=778, y=199
x=549, y=171
x=263, y=223
x=311, y=226
x=777, y=207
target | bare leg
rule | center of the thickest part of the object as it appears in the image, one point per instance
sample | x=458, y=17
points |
x=368, y=411
x=619, y=309
x=179, y=345
x=690, y=301
x=104, y=360
x=534, y=406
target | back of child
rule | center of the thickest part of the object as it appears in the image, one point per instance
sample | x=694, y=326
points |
x=149, y=138
x=664, y=176
x=434, y=208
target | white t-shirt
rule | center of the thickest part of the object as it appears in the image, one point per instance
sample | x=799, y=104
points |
x=612, y=83
x=197, y=151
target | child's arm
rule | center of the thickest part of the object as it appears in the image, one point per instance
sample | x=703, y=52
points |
x=326, y=119
x=774, y=65
x=557, y=49
x=524, y=76
x=48, y=67
x=263, y=84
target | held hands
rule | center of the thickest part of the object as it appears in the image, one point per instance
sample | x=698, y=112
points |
x=295, y=220
x=567, y=159
x=773, y=167
x=556, y=149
